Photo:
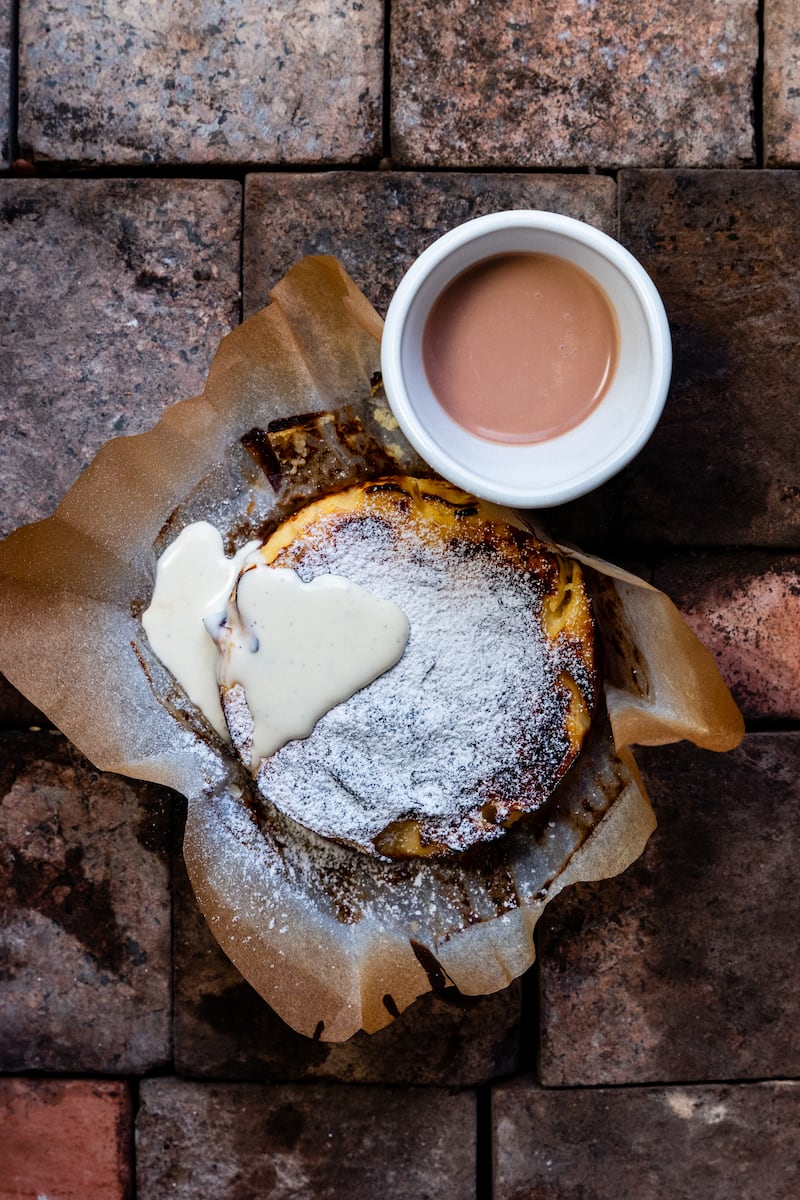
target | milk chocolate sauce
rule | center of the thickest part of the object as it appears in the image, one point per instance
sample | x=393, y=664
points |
x=521, y=347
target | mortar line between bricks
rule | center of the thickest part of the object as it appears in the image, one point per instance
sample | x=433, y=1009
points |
x=176, y=828
x=386, y=99
x=134, y=1082
x=242, y=223
x=530, y=1016
x=484, y=1150
x=174, y=848
x=772, y=725
x=13, y=83
x=663, y=1084
x=64, y=170
x=759, y=141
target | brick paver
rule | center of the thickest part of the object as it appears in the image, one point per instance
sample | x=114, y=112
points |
x=685, y=967
x=212, y=82
x=65, y=1138
x=782, y=83
x=303, y=1143
x=116, y=295
x=378, y=223
x=745, y=606
x=560, y=84
x=665, y=1143
x=85, y=919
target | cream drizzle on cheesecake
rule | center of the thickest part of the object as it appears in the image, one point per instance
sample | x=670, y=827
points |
x=288, y=650
x=194, y=579
x=298, y=648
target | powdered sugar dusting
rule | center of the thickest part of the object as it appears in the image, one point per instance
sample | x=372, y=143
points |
x=472, y=714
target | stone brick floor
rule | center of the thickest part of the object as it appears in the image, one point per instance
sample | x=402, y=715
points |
x=160, y=168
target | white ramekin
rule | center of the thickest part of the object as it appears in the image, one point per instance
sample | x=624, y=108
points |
x=540, y=474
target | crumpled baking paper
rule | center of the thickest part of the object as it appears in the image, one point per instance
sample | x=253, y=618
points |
x=334, y=940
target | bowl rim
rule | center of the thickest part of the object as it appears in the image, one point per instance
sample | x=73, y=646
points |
x=474, y=479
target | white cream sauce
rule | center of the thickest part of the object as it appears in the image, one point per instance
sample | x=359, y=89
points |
x=298, y=649
x=193, y=582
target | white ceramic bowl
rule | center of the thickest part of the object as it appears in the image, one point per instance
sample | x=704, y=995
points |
x=539, y=474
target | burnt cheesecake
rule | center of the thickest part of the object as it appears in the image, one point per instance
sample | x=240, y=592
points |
x=489, y=699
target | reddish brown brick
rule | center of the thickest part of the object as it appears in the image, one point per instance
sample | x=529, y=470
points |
x=722, y=466
x=116, y=295
x=85, y=920
x=224, y=1030
x=201, y=82
x=746, y=608
x=685, y=967
x=65, y=1138
x=662, y=1143
x=506, y=83
x=782, y=83
x=377, y=223
x=246, y=1140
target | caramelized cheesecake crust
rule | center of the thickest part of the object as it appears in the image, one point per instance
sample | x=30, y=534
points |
x=489, y=706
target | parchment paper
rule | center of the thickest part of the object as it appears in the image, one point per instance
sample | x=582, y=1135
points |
x=334, y=940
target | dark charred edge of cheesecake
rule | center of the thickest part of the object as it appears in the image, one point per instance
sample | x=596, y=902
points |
x=390, y=1005
x=437, y=976
x=302, y=421
x=342, y=452
x=489, y=865
x=533, y=822
x=349, y=430
x=258, y=445
x=620, y=662
x=495, y=830
x=338, y=451
x=169, y=694
x=467, y=506
x=494, y=537
x=381, y=486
